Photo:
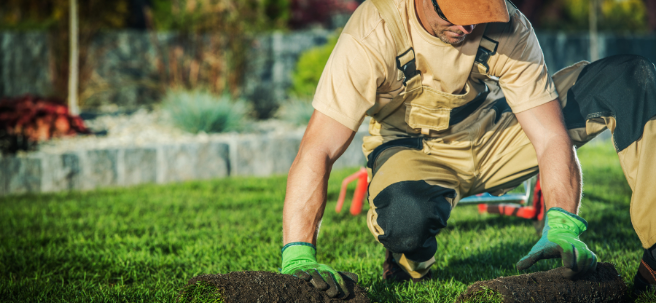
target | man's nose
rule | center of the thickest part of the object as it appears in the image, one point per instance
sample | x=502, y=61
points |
x=467, y=29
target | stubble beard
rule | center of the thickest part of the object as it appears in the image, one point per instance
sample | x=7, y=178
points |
x=449, y=40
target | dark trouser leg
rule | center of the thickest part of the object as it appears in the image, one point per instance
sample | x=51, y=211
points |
x=406, y=212
x=620, y=93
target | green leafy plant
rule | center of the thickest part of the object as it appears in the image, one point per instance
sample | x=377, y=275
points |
x=196, y=111
x=309, y=68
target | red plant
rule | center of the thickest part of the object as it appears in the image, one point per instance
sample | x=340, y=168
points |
x=38, y=119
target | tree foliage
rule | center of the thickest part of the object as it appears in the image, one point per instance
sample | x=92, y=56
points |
x=52, y=14
x=573, y=15
x=309, y=67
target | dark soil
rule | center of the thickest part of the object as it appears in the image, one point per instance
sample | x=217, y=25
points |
x=604, y=285
x=260, y=286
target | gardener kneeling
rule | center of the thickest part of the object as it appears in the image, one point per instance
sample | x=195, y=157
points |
x=461, y=104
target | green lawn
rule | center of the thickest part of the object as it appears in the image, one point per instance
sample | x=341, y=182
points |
x=144, y=243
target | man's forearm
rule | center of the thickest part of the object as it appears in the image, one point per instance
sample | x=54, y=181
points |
x=323, y=143
x=560, y=175
x=305, y=200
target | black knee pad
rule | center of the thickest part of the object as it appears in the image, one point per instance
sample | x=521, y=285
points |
x=411, y=213
x=623, y=87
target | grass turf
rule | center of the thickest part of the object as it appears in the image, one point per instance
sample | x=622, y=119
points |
x=142, y=244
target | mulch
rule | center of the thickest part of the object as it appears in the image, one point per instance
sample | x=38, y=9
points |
x=604, y=285
x=260, y=286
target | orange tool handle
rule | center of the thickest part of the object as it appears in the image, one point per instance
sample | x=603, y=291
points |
x=358, y=191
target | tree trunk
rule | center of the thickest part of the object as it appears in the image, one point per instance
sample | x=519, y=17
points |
x=73, y=70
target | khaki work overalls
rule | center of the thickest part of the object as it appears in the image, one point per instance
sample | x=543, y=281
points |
x=483, y=150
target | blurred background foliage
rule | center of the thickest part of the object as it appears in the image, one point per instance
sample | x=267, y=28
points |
x=309, y=67
x=618, y=16
x=216, y=35
x=248, y=16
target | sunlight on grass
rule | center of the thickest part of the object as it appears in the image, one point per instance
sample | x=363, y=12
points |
x=143, y=244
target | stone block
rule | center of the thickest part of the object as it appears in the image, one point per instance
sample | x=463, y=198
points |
x=213, y=160
x=263, y=155
x=177, y=162
x=138, y=165
x=60, y=172
x=99, y=168
x=19, y=175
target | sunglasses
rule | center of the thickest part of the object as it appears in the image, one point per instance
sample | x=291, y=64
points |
x=439, y=11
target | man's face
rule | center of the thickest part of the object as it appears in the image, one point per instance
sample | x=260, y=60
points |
x=446, y=31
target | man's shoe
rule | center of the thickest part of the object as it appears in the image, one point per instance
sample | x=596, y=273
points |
x=393, y=272
x=645, y=278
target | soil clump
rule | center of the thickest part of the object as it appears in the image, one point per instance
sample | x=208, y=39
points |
x=604, y=285
x=260, y=286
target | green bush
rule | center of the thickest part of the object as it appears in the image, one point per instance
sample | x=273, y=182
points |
x=196, y=111
x=309, y=68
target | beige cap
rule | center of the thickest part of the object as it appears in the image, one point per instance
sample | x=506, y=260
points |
x=467, y=12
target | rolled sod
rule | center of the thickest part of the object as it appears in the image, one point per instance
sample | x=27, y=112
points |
x=260, y=286
x=603, y=285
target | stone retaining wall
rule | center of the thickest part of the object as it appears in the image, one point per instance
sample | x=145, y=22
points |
x=239, y=155
x=126, y=75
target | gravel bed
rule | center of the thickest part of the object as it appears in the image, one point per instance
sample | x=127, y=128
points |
x=147, y=128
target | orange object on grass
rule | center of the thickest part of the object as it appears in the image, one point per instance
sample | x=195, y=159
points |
x=358, y=195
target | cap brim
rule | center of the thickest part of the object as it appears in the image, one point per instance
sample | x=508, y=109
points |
x=467, y=12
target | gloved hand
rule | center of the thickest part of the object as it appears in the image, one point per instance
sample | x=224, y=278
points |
x=560, y=238
x=299, y=259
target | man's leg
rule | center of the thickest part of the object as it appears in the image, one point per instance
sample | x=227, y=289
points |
x=619, y=92
x=407, y=211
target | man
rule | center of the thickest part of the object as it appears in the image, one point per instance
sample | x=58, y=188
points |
x=461, y=103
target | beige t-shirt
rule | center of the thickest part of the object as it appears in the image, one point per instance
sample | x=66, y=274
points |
x=361, y=74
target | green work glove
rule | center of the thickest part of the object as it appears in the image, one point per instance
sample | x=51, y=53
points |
x=299, y=259
x=560, y=238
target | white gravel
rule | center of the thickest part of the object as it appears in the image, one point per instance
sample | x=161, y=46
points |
x=147, y=128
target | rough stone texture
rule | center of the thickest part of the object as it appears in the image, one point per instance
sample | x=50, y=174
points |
x=139, y=166
x=24, y=63
x=20, y=175
x=125, y=61
x=603, y=285
x=255, y=155
x=213, y=160
x=99, y=168
x=239, y=155
x=177, y=162
x=60, y=172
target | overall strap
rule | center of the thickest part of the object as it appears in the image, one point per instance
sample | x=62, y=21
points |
x=405, y=59
x=488, y=46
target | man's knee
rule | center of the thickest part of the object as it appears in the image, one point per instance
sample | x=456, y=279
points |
x=411, y=213
x=622, y=87
x=641, y=65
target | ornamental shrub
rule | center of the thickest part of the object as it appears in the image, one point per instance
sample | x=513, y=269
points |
x=196, y=111
x=309, y=68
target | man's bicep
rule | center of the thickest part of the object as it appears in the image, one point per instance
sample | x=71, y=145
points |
x=348, y=84
x=325, y=136
x=542, y=124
